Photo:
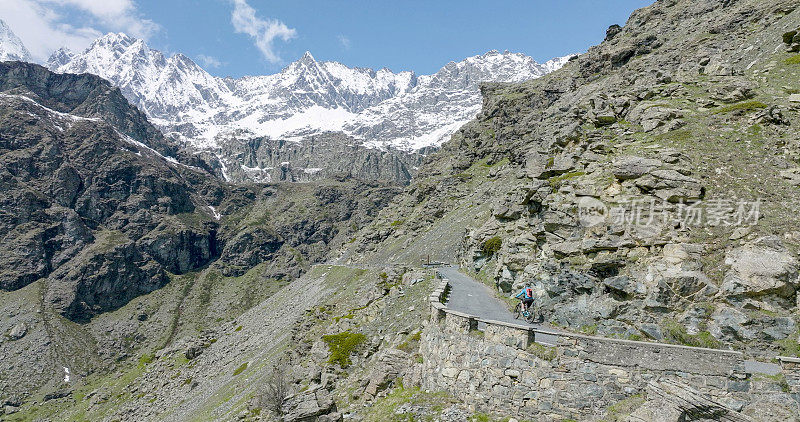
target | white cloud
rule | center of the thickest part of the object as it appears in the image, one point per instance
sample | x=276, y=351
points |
x=43, y=28
x=208, y=61
x=344, y=41
x=262, y=31
x=120, y=15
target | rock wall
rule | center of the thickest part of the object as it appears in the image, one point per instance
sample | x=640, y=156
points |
x=503, y=369
x=318, y=157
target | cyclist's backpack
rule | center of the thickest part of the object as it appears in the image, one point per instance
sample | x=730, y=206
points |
x=529, y=292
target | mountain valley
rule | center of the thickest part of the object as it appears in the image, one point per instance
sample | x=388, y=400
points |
x=204, y=248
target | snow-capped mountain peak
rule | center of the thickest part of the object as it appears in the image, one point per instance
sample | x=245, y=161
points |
x=11, y=47
x=307, y=57
x=377, y=107
x=59, y=58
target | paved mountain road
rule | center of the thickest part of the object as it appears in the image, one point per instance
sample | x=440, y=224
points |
x=475, y=298
x=472, y=297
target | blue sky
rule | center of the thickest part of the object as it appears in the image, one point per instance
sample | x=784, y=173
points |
x=246, y=37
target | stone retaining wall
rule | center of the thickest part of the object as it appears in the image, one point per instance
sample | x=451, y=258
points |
x=503, y=369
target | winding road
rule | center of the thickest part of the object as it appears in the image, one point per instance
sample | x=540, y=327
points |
x=472, y=297
x=475, y=298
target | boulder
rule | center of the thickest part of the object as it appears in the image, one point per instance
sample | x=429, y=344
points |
x=652, y=330
x=760, y=270
x=193, y=351
x=622, y=285
x=18, y=331
x=729, y=322
x=632, y=167
x=733, y=90
x=655, y=117
x=540, y=166
x=671, y=185
x=605, y=119
x=612, y=31
x=674, y=285
x=391, y=363
x=670, y=401
x=310, y=406
x=779, y=328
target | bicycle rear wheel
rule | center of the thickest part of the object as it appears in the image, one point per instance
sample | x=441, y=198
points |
x=536, y=315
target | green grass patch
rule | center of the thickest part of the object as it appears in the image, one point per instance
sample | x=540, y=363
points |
x=675, y=136
x=432, y=404
x=674, y=332
x=491, y=245
x=745, y=106
x=620, y=410
x=557, y=181
x=793, y=60
x=352, y=312
x=396, y=223
x=790, y=346
x=513, y=96
x=146, y=359
x=342, y=345
x=778, y=379
x=411, y=343
x=477, y=333
x=543, y=352
x=240, y=369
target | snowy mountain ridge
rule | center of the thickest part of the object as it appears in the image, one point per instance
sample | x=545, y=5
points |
x=11, y=47
x=308, y=97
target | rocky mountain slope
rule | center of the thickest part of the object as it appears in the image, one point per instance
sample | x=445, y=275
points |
x=318, y=157
x=646, y=190
x=99, y=208
x=11, y=47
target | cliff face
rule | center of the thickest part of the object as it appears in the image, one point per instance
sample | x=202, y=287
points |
x=319, y=157
x=84, y=200
x=645, y=190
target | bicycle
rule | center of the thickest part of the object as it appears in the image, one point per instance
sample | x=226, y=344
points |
x=530, y=316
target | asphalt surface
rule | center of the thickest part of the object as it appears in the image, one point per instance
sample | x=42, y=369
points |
x=475, y=298
x=755, y=367
x=472, y=297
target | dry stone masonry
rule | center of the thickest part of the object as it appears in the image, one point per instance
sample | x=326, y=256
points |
x=503, y=369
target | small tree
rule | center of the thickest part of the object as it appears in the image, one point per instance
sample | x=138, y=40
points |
x=275, y=390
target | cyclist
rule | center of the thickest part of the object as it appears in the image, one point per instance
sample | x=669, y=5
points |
x=526, y=296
